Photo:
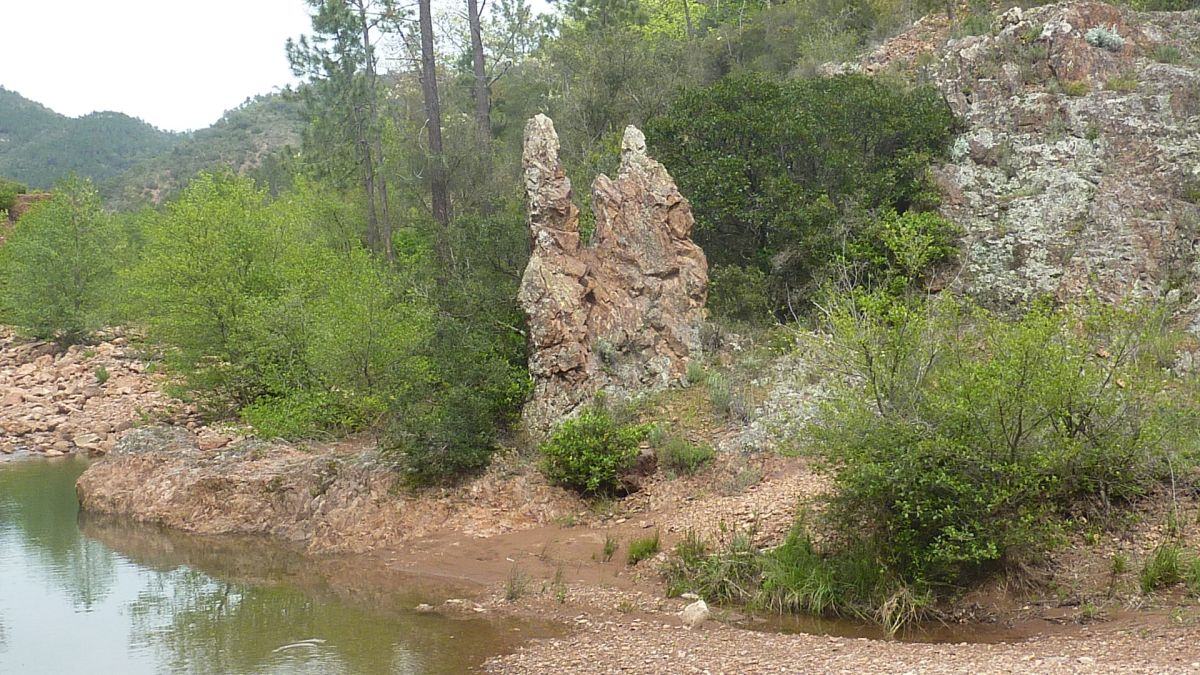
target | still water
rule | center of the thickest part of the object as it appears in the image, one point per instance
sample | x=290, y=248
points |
x=80, y=594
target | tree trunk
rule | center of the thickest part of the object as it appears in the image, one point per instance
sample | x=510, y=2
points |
x=687, y=17
x=483, y=104
x=374, y=148
x=440, y=193
x=368, y=177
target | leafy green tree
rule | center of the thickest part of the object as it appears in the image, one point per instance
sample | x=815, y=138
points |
x=340, y=63
x=781, y=174
x=207, y=264
x=602, y=15
x=57, y=265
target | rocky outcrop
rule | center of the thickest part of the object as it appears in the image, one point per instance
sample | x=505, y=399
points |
x=1079, y=169
x=325, y=497
x=623, y=313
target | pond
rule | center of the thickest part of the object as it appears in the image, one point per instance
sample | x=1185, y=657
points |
x=81, y=594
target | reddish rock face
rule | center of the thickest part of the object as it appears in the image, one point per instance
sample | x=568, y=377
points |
x=622, y=314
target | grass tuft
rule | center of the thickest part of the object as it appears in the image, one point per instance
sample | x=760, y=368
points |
x=642, y=549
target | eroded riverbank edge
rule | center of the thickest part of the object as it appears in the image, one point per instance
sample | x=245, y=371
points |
x=511, y=546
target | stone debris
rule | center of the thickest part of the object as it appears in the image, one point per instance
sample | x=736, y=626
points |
x=646, y=647
x=56, y=401
x=623, y=313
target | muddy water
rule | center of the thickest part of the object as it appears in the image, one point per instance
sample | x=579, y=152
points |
x=106, y=596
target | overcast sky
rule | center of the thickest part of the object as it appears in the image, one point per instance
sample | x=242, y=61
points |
x=178, y=64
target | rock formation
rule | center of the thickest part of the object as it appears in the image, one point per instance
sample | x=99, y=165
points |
x=1079, y=168
x=623, y=313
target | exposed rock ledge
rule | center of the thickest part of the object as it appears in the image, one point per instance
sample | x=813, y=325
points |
x=622, y=314
x=332, y=498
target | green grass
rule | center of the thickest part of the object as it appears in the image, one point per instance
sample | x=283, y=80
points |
x=610, y=548
x=1075, y=88
x=1168, y=54
x=642, y=549
x=682, y=457
x=1164, y=567
x=516, y=584
x=1123, y=84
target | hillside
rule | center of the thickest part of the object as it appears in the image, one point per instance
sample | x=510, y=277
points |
x=131, y=161
x=242, y=139
x=38, y=146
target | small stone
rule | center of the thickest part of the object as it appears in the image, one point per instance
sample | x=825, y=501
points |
x=695, y=614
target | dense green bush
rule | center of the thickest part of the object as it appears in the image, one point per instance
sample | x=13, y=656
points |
x=782, y=175
x=966, y=437
x=739, y=294
x=56, y=268
x=591, y=452
x=682, y=457
x=962, y=442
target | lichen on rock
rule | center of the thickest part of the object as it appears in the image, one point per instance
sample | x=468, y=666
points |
x=1071, y=176
x=621, y=314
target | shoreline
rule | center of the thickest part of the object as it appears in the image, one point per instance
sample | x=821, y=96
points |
x=510, y=546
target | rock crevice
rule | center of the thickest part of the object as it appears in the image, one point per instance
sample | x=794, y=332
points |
x=623, y=313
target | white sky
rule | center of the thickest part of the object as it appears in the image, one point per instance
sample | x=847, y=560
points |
x=177, y=64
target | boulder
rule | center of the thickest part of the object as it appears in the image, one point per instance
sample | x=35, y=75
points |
x=622, y=313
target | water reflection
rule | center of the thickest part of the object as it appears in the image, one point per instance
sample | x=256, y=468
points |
x=141, y=599
x=37, y=512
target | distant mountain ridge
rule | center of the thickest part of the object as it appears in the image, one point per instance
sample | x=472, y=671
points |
x=133, y=162
x=39, y=146
x=247, y=139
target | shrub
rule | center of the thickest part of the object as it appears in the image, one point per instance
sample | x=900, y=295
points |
x=739, y=294
x=1105, y=38
x=1163, y=5
x=643, y=549
x=684, y=457
x=101, y=374
x=777, y=172
x=1123, y=84
x=591, y=452
x=1075, y=88
x=969, y=433
x=9, y=189
x=57, y=266
x=900, y=249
